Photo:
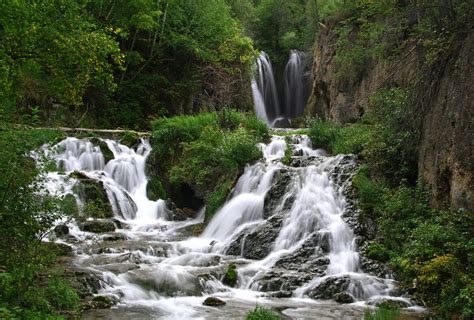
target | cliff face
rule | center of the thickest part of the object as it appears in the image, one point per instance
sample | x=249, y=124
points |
x=445, y=101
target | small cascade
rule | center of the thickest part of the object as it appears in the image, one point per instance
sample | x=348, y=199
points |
x=295, y=85
x=122, y=177
x=264, y=90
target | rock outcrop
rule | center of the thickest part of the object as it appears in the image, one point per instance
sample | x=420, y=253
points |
x=445, y=103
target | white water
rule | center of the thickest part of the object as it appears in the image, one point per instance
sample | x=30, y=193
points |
x=165, y=271
x=123, y=177
x=264, y=90
x=295, y=85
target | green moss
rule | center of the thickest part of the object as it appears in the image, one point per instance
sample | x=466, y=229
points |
x=217, y=198
x=288, y=152
x=231, y=276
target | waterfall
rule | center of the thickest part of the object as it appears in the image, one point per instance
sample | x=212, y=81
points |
x=264, y=90
x=122, y=177
x=265, y=93
x=295, y=85
x=285, y=226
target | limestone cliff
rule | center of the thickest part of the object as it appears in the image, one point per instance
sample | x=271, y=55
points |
x=445, y=95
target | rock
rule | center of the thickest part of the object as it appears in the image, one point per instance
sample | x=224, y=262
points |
x=329, y=287
x=257, y=243
x=114, y=237
x=97, y=226
x=391, y=303
x=344, y=297
x=213, y=302
x=104, y=148
x=178, y=214
x=103, y=301
x=130, y=139
x=94, y=196
x=274, y=196
x=61, y=230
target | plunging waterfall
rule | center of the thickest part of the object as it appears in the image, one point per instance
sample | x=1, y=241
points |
x=295, y=85
x=286, y=228
x=264, y=90
x=274, y=107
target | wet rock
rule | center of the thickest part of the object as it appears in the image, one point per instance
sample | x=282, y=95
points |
x=119, y=268
x=85, y=282
x=114, y=237
x=310, y=257
x=329, y=287
x=179, y=214
x=61, y=230
x=213, y=302
x=97, y=226
x=166, y=281
x=104, y=148
x=94, y=196
x=278, y=280
x=390, y=303
x=103, y=301
x=283, y=294
x=276, y=193
x=257, y=243
x=344, y=297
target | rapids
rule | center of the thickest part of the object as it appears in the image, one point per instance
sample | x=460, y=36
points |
x=283, y=226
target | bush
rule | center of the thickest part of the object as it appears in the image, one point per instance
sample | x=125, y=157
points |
x=382, y=314
x=261, y=313
x=206, y=152
x=323, y=134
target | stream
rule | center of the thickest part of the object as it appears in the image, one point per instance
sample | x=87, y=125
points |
x=287, y=228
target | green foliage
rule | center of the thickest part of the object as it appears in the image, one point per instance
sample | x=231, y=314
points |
x=381, y=314
x=288, y=152
x=26, y=216
x=230, y=276
x=261, y=313
x=323, y=134
x=206, y=152
x=61, y=296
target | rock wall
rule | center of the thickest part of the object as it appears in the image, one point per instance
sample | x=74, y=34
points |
x=445, y=100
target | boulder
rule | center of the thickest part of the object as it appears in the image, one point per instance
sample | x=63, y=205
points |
x=213, y=302
x=97, y=226
x=344, y=297
x=330, y=287
x=257, y=243
x=61, y=230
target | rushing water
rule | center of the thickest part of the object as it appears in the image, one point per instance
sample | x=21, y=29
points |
x=266, y=97
x=295, y=85
x=161, y=269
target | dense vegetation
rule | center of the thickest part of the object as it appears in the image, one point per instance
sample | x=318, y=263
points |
x=431, y=250
x=26, y=216
x=200, y=157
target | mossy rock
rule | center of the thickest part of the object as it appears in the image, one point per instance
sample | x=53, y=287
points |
x=231, y=276
x=155, y=190
x=69, y=205
x=104, y=148
x=97, y=226
x=130, y=139
x=93, y=195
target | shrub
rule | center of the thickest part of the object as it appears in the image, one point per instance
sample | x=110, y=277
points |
x=206, y=152
x=323, y=134
x=382, y=314
x=261, y=313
